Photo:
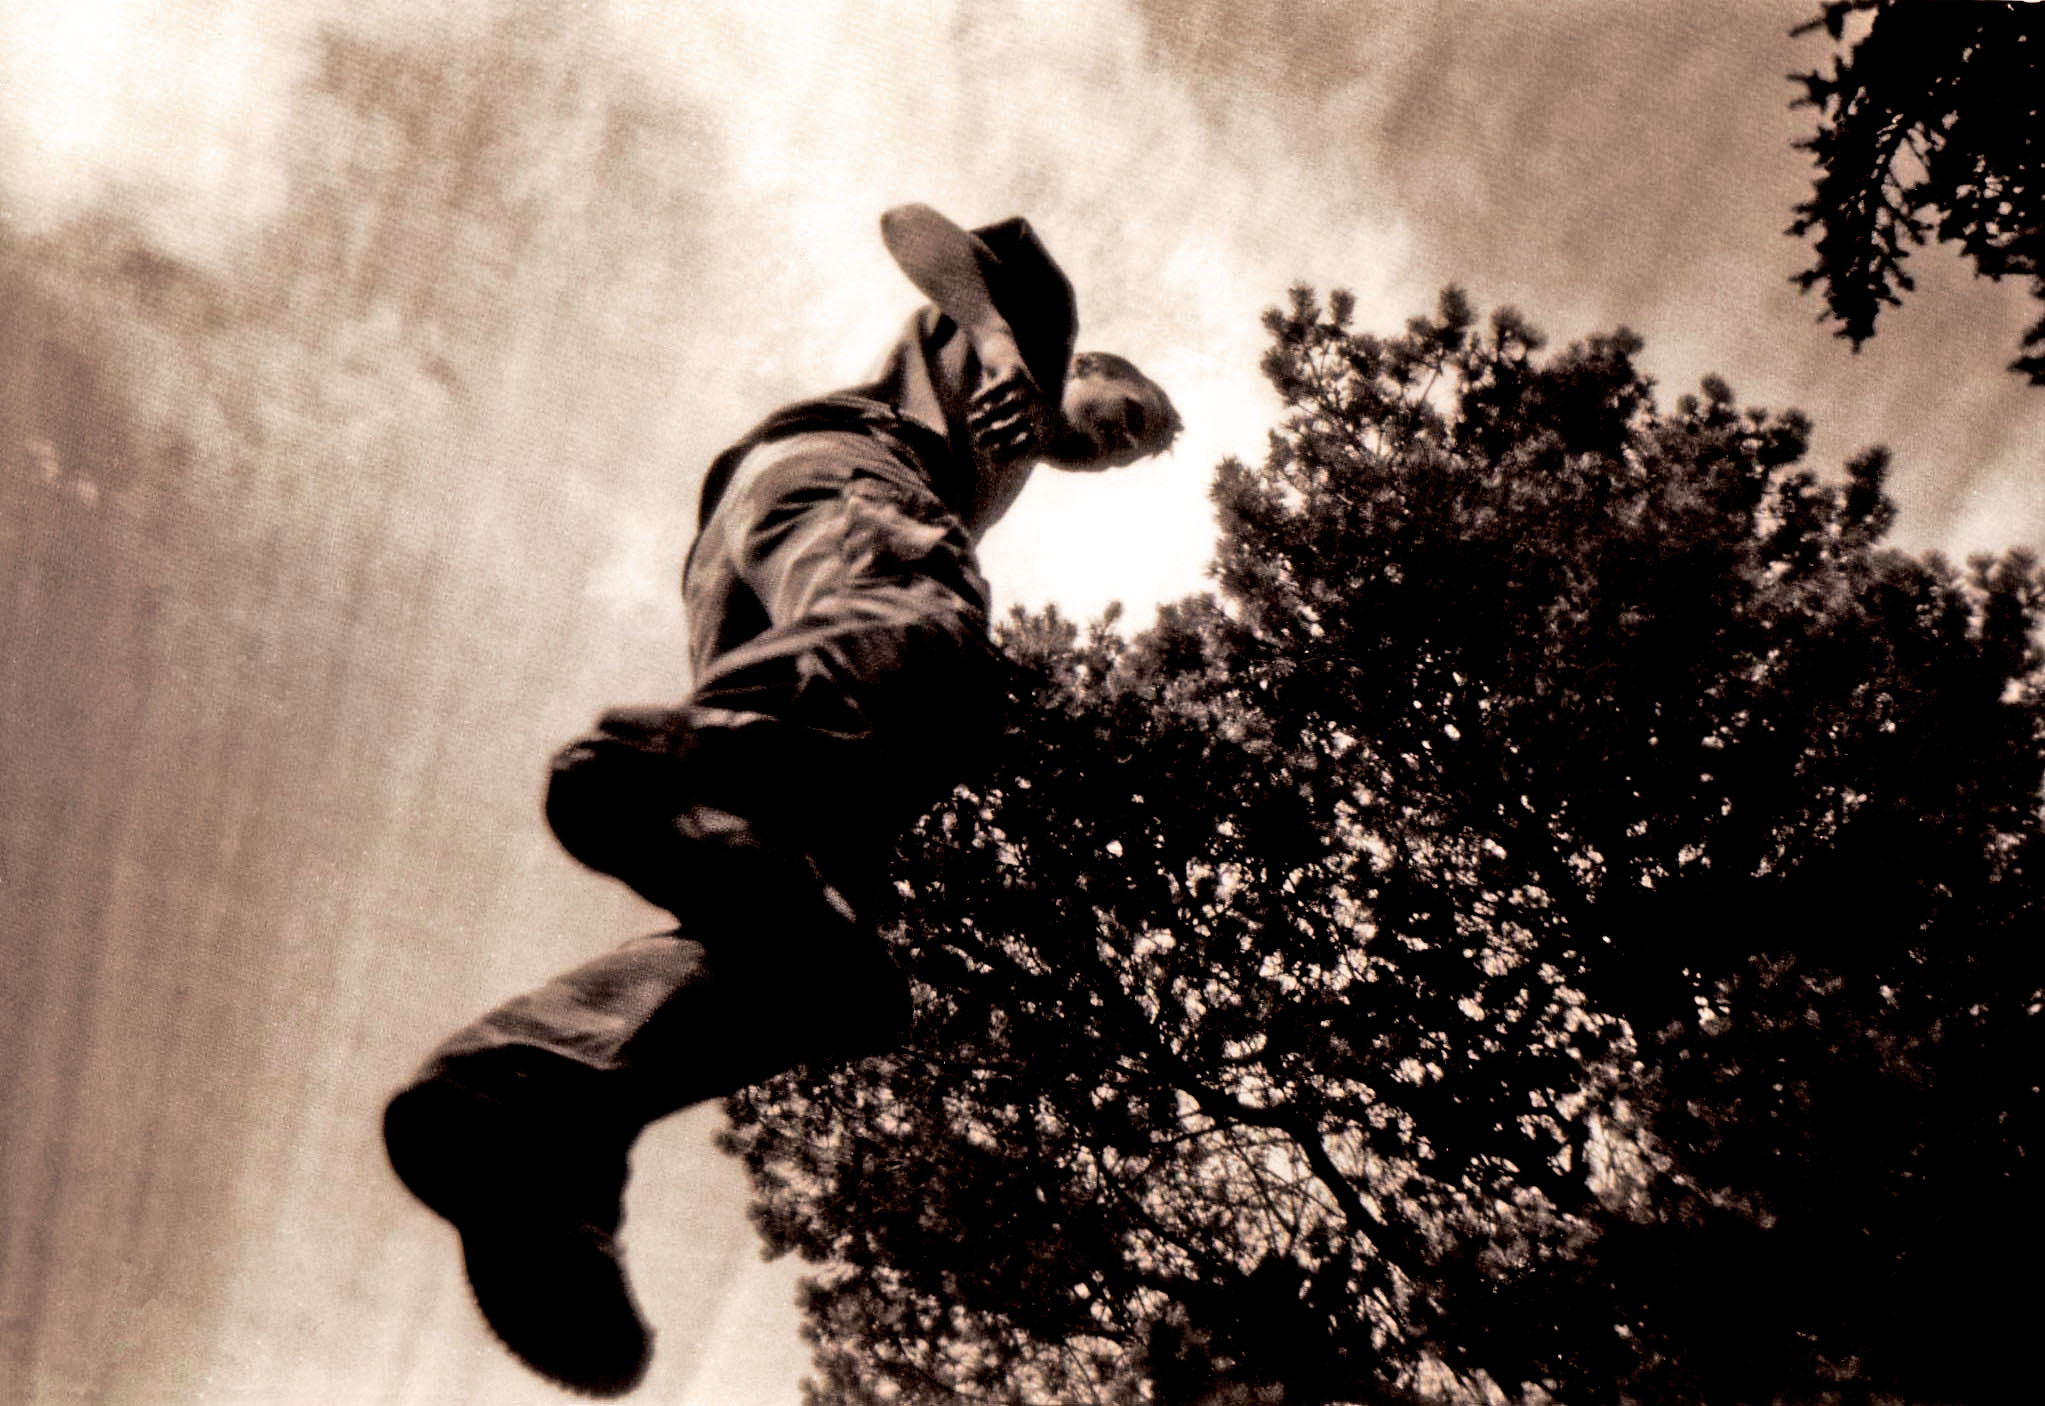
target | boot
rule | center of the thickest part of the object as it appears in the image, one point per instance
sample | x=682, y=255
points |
x=524, y=1151
x=517, y=1131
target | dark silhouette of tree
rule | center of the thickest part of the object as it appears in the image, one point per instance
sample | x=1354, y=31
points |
x=1929, y=125
x=1564, y=920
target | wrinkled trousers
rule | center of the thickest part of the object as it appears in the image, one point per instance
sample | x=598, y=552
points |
x=844, y=679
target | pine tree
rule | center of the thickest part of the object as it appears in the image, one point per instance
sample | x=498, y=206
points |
x=1563, y=920
x=1930, y=125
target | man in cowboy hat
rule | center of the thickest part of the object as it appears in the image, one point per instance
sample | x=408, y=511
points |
x=843, y=680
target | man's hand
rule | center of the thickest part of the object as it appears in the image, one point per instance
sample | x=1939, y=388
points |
x=1007, y=417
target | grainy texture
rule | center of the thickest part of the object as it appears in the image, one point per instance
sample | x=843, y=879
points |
x=357, y=362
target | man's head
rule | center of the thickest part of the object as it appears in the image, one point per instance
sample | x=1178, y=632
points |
x=1114, y=415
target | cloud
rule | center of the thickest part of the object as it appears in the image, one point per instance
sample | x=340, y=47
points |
x=1180, y=214
x=1179, y=208
x=170, y=112
x=1186, y=162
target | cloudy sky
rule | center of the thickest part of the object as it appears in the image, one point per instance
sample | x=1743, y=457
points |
x=645, y=297
x=1594, y=163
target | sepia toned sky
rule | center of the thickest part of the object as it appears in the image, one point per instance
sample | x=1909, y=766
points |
x=1592, y=162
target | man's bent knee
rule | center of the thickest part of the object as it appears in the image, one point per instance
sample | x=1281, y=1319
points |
x=609, y=792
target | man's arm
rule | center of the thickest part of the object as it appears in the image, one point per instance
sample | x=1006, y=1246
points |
x=1007, y=416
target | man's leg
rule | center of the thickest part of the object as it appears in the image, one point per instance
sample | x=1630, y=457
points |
x=518, y=1130
x=844, y=680
x=808, y=744
x=840, y=635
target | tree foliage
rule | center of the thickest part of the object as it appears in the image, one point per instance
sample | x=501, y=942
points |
x=1564, y=922
x=1929, y=125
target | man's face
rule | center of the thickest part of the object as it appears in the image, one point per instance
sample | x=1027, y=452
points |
x=1116, y=418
